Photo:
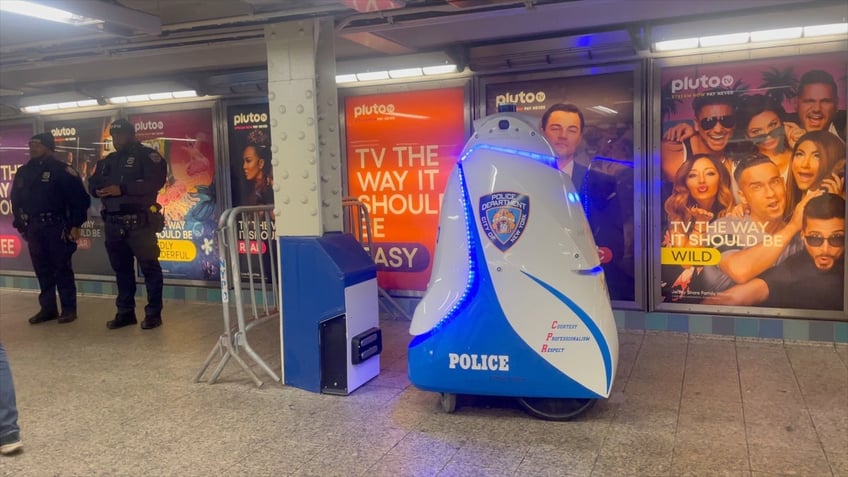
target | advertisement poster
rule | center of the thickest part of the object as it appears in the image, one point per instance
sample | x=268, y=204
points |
x=401, y=148
x=752, y=169
x=188, y=243
x=599, y=154
x=81, y=143
x=14, y=152
x=251, y=175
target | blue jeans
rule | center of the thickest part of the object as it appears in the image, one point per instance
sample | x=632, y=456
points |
x=8, y=408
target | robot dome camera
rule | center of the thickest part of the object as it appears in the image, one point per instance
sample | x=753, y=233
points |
x=517, y=304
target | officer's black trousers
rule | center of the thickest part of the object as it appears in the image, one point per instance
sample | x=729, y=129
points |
x=51, y=261
x=123, y=245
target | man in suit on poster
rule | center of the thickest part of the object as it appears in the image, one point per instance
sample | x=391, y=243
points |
x=562, y=125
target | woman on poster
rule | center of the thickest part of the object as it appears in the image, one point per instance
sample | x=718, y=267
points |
x=256, y=164
x=761, y=118
x=701, y=193
x=818, y=163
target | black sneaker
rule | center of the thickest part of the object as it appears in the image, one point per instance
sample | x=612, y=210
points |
x=151, y=322
x=42, y=316
x=121, y=320
x=11, y=443
x=67, y=316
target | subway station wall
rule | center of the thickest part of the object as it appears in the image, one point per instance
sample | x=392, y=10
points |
x=648, y=125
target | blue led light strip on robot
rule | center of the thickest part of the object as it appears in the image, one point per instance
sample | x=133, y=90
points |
x=543, y=158
x=584, y=317
x=471, y=240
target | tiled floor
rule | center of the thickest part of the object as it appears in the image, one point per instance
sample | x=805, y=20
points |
x=122, y=403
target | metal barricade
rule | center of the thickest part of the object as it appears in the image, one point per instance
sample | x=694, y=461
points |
x=248, y=233
x=358, y=222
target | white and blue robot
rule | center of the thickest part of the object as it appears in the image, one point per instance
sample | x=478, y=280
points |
x=517, y=304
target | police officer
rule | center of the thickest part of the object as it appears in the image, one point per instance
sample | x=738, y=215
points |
x=49, y=205
x=127, y=181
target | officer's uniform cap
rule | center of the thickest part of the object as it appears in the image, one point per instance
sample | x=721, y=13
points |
x=45, y=139
x=121, y=126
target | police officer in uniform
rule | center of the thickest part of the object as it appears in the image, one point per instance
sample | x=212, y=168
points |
x=127, y=181
x=49, y=205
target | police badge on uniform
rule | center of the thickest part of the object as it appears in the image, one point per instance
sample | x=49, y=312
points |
x=45, y=176
x=504, y=216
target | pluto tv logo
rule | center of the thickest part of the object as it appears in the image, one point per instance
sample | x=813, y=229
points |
x=700, y=82
x=368, y=109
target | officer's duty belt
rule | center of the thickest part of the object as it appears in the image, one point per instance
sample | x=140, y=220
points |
x=136, y=218
x=49, y=218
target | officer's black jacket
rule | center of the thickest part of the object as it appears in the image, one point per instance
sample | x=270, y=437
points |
x=47, y=185
x=138, y=170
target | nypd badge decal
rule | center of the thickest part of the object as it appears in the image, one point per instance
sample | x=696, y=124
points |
x=504, y=216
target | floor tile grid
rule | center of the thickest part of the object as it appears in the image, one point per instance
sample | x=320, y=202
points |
x=193, y=454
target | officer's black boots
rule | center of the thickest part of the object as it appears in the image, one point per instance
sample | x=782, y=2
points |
x=42, y=316
x=151, y=322
x=121, y=320
x=67, y=316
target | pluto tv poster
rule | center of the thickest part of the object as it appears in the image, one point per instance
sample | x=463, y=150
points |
x=752, y=167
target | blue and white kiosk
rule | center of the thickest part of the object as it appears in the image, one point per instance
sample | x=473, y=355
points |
x=517, y=304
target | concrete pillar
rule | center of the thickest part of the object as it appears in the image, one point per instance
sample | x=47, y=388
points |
x=303, y=104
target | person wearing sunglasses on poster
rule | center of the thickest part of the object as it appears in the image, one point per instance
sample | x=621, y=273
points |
x=763, y=125
x=715, y=123
x=813, y=279
x=818, y=162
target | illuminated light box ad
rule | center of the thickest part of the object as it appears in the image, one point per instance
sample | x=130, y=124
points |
x=188, y=244
x=14, y=152
x=251, y=179
x=752, y=172
x=598, y=155
x=401, y=148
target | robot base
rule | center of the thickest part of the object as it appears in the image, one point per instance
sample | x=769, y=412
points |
x=549, y=409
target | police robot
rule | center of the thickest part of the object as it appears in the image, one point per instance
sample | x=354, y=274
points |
x=517, y=304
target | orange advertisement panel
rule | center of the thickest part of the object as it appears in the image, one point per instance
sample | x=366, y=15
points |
x=401, y=148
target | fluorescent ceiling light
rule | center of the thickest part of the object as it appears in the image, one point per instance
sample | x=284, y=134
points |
x=439, y=70
x=406, y=73
x=779, y=34
x=340, y=79
x=189, y=93
x=64, y=105
x=722, y=40
x=139, y=98
x=160, y=96
x=831, y=29
x=372, y=76
x=683, y=44
x=43, y=12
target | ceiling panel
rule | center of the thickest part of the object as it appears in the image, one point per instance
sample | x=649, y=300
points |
x=206, y=38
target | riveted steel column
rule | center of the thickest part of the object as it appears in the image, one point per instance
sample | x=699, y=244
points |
x=329, y=149
x=304, y=127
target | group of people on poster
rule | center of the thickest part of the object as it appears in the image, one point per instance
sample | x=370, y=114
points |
x=754, y=196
